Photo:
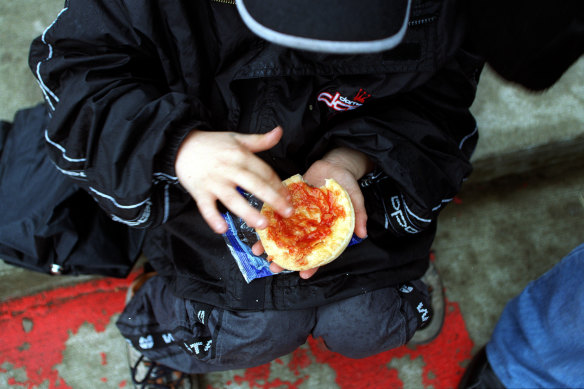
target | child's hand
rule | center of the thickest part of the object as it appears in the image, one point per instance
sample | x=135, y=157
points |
x=211, y=165
x=346, y=166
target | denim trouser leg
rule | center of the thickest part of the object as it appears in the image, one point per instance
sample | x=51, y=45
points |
x=539, y=339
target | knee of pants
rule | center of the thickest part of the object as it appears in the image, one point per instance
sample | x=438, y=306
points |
x=364, y=325
x=231, y=340
x=262, y=336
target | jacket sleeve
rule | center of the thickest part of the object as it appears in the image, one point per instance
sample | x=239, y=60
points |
x=116, y=124
x=421, y=141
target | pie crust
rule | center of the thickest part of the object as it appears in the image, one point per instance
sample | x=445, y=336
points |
x=317, y=233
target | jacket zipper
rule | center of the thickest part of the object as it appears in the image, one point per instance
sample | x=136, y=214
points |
x=230, y=2
x=421, y=21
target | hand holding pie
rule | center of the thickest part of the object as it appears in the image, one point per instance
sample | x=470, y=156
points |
x=318, y=231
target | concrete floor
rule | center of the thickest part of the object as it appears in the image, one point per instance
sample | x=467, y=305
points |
x=519, y=214
x=503, y=235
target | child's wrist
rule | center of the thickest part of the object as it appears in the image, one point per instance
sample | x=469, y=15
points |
x=356, y=162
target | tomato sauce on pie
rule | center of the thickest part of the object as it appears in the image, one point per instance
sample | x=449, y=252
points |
x=315, y=213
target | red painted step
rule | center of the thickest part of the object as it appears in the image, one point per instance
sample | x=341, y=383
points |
x=35, y=330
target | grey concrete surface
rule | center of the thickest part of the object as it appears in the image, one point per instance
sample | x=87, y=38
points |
x=20, y=23
x=518, y=215
x=504, y=234
x=522, y=131
x=511, y=118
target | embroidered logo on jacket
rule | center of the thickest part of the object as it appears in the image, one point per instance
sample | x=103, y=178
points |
x=341, y=103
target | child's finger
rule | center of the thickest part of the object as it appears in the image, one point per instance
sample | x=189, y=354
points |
x=306, y=274
x=275, y=268
x=360, y=213
x=239, y=206
x=208, y=209
x=260, y=142
x=272, y=192
x=257, y=248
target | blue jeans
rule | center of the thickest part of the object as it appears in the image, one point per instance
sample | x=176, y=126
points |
x=539, y=339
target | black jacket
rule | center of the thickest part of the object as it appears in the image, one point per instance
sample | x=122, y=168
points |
x=48, y=224
x=532, y=43
x=127, y=80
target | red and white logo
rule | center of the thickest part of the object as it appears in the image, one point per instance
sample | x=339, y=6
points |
x=341, y=103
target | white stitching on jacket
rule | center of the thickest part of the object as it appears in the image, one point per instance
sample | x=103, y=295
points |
x=467, y=137
x=45, y=88
x=166, y=176
x=118, y=205
x=436, y=208
x=166, y=203
x=48, y=94
x=441, y=202
x=71, y=173
x=143, y=218
x=411, y=213
x=62, y=149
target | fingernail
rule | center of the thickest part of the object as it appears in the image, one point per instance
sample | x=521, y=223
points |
x=286, y=193
x=289, y=211
x=262, y=223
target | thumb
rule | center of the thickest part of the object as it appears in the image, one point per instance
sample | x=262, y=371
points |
x=260, y=142
x=360, y=214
